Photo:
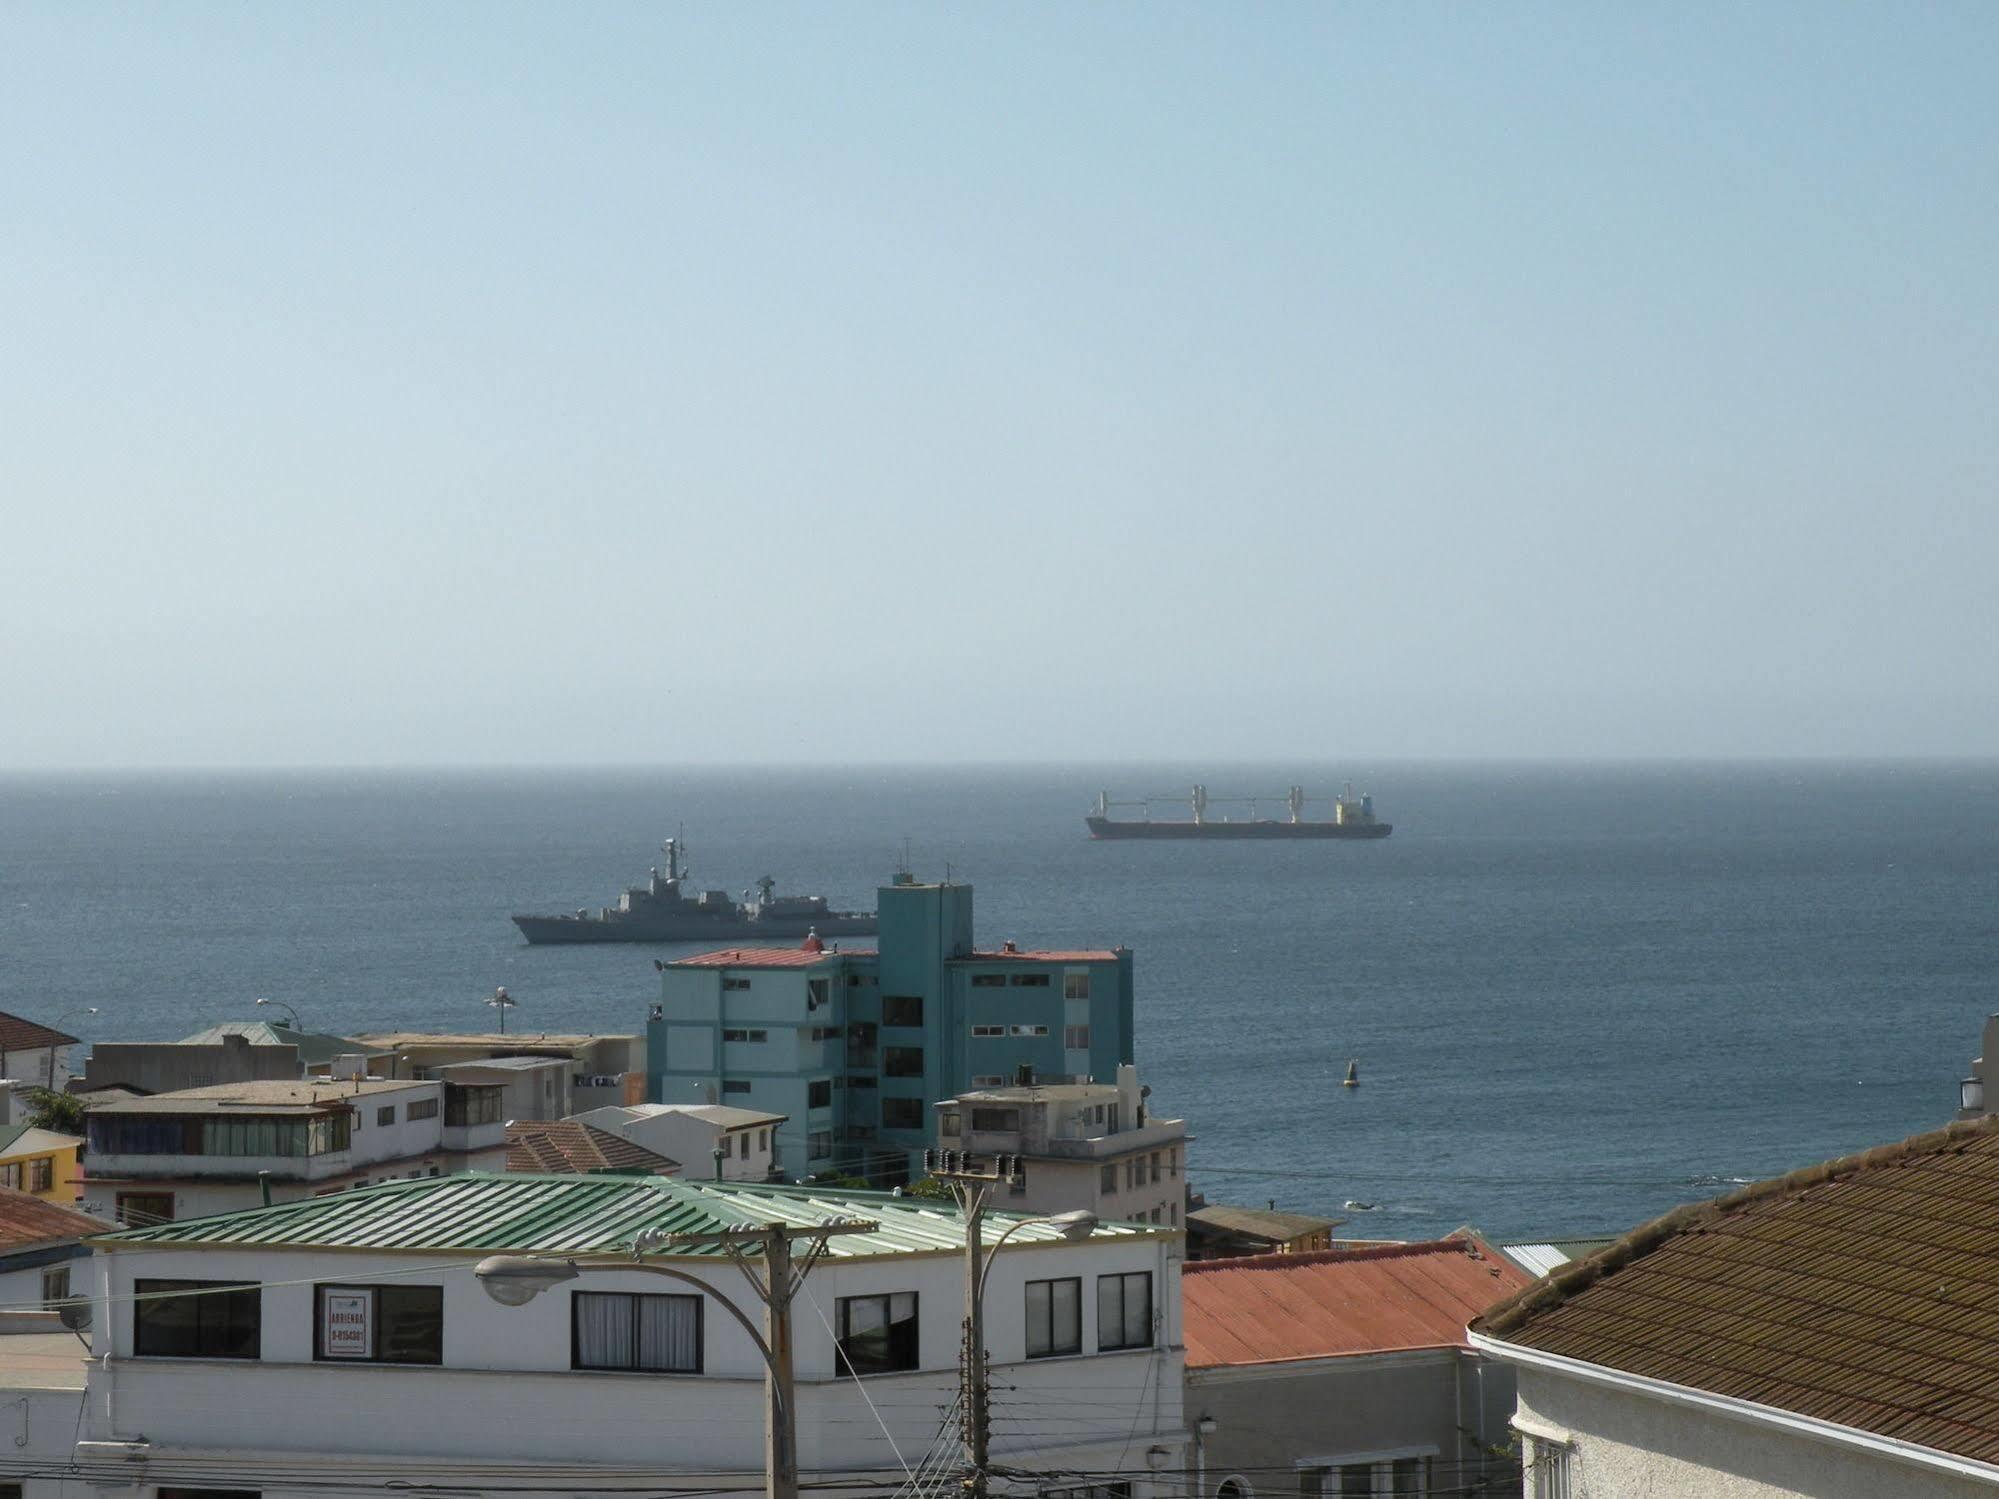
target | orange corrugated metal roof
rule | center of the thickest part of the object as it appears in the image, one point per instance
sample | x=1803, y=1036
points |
x=1863, y=1292
x=1273, y=1308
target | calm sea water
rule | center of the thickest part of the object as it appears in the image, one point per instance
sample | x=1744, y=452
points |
x=1578, y=995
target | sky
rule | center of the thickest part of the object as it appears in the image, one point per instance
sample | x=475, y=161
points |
x=622, y=384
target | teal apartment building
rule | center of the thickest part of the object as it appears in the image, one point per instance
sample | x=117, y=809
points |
x=854, y=1047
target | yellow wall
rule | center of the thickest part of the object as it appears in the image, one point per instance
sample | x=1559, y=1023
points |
x=62, y=1174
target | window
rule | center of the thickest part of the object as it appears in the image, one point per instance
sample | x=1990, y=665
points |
x=10, y=1174
x=752, y=1036
x=948, y=1122
x=465, y=1106
x=877, y=1333
x=988, y=981
x=213, y=1319
x=1235, y=1488
x=996, y=1119
x=42, y=1174
x=1107, y=1180
x=763, y=1139
x=1154, y=1165
x=1124, y=1311
x=735, y=1085
x=420, y=1108
x=817, y=992
x=1076, y=1037
x=1132, y=1176
x=861, y=1082
x=988, y=1030
x=378, y=1324
x=902, y=1061
x=1173, y=1161
x=1173, y=1213
x=819, y=1145
x=825, y=1033
x=1027, y=1030
x=55, y=1284
x=902, y=1009
x=386, y=1114
x=902, y=1113
x=139, y=1209
x=743, y=1145
x=624, y=1330
x=989, y=1080
x=1075, y=986
x=1054, y=1317
x=1396, y=1476
x=729, y=983
x=1549, y=1469
x=819, y=1093
x=1030, y=980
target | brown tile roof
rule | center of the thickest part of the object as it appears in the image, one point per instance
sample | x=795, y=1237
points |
x=564, y=1145
x=1863, y=1292
x=1274, y=1308
x=26, y=1220
x=17, y=1034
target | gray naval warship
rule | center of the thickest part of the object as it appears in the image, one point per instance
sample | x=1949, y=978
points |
x=657, y=911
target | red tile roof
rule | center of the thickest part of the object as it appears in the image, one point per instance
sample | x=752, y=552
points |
x=26, y=1220
x=17, y=1034
x=1275, y=1308
x=565, y=1145
x=765, y=957
x=1041, y=955
x=1863, y=1292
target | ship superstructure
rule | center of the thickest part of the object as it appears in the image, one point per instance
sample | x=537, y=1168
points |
x=660, y=911
x=1353, y=817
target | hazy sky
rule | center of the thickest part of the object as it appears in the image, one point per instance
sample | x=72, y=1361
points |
x=713, y=382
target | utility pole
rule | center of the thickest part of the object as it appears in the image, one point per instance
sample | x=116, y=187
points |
x=971, y=1180
x=781, y=1278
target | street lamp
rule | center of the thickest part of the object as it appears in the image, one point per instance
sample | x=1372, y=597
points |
x=971, y=1183
x=285, y=1007
x=66, y=1015
x=515, y=1280
x=503, y=1002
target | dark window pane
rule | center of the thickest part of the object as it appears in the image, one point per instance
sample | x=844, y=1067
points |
x=878, y=1333
x=902, y=1061
x=217, y=1319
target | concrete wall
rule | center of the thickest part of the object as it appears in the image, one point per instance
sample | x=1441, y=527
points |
x=1271, y=1419
x=1628, y=1445
x=167, y=1066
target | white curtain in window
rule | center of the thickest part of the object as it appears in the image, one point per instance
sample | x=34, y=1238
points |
x=604, y=1331
x=668, y=1332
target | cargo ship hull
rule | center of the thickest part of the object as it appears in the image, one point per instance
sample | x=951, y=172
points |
x=1105, y=827
x=541, y=930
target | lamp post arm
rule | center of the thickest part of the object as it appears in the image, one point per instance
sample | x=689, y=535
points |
x=993, y=1253
x=727, y=1305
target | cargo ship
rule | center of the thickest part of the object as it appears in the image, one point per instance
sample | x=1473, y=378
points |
x=657, y=911
x=1353, y=817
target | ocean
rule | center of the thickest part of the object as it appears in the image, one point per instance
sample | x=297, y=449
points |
x=1578, y=994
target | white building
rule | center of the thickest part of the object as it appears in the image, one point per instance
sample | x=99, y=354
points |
x=691, y=1133
x=34, y=1054
x=344, y=1345
x=214, y=1150
x=1831, y=1334
x=1082, y=1145
x=530, y=1087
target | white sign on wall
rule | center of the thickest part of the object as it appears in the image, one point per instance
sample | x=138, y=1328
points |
x=346, y=1327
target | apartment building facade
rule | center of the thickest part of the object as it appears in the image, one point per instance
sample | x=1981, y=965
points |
x=709, y=1140
x=216, y=1150
x=855, y=1047
x=1091, y=1146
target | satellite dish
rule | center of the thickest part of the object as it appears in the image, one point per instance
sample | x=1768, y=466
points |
x=74, y=1315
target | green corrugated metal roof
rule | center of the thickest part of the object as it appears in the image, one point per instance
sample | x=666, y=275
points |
x=491, y=1212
